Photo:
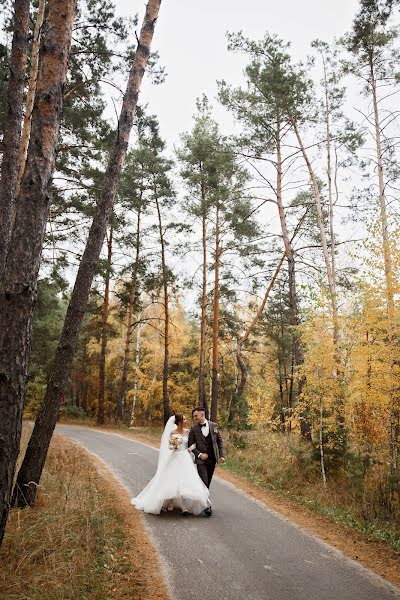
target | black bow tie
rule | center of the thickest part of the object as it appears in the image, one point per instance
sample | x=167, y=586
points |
x=203, y=424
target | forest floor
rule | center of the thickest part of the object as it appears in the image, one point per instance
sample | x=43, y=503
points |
x=378, y=555
x=82, y=541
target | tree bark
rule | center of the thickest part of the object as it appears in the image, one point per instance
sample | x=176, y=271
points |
x=32, y=466
x=12, y=126
x=104, y=332
x=136, y=375
x=395, y=408
x=19, y=287
x=335, y=315
x=30, y=97
x=320, y=221
x=321, y=443
x=129, y=324
x=203, y=323
x=166, y=315
x=243, y=339
x=297, y=356
x=215, y=343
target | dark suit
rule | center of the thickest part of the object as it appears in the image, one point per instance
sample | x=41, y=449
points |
x=211, y=445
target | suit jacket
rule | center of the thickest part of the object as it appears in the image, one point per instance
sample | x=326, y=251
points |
x=196, y=437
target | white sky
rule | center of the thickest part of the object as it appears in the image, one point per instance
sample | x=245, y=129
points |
x=190, y=37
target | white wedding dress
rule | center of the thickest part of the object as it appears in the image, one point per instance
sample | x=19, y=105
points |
x=176, y=482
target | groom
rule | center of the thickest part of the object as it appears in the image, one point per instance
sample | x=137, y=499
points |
x=209, y=446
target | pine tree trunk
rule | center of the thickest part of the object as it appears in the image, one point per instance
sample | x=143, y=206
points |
x=104, y=328
x=241, y=342
x=395, y=409
x=203, y=323
x=30, y=97
x=136, y=376
x=288, y=246
x=297, y=358
x=32, y=466
x=129, y=324
x=215, y=341
x=166, y=316
x=335, y=315
x=19, y=288
x=12, y=125
x=320, y=221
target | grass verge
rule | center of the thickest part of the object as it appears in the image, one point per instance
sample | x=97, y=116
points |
x=82, y=541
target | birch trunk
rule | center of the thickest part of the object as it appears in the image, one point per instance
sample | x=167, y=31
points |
x=321, y=443
x=30, y=97
x=32, y=466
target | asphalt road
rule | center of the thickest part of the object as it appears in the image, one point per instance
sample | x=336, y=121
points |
x=244, y=551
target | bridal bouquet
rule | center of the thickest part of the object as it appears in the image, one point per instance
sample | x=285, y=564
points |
x=175, y=441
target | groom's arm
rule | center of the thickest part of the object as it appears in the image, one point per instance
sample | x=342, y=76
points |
x=191, y=441
x=220, y=444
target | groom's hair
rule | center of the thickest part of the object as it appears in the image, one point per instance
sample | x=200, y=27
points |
x=198, y=409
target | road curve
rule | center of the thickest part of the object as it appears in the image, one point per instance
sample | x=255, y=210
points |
x=244, y=551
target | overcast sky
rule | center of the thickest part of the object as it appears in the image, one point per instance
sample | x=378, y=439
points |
x=190, y=37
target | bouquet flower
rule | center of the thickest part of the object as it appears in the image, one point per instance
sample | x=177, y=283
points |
x=175, y=441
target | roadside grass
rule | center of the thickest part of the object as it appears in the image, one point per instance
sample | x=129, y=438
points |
x=82, y=541
x=286, y=468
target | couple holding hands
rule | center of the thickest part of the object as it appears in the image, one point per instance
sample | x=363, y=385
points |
x=186, y=464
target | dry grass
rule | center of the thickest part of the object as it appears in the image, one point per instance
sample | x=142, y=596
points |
x=83, y=540
x=286, y=466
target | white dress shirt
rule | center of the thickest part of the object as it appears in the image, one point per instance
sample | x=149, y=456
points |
x=206, y=429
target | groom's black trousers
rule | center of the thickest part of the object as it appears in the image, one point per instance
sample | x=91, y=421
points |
x=206, y=471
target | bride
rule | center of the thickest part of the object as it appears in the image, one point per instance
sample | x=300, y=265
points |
x=176, y=483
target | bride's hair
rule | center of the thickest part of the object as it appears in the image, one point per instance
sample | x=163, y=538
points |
x=178, y=418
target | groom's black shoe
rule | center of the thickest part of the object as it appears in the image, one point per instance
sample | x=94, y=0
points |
x=208, y=512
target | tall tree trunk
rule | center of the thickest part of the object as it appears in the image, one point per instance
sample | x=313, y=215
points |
x=331, y=220
x=129, y=324
x=241, y=342
x=30, y=97
x=203, y=323
x=382, y=197
x=297, y=354
x=104, y=332
x=288, y=249
x=321, y=442
x=18, y=289
x=136, y=376
x=35, y=456
x=395, y=408
x=166, y=315
x=215, y=340
x=12, y=124
x=320, y=221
